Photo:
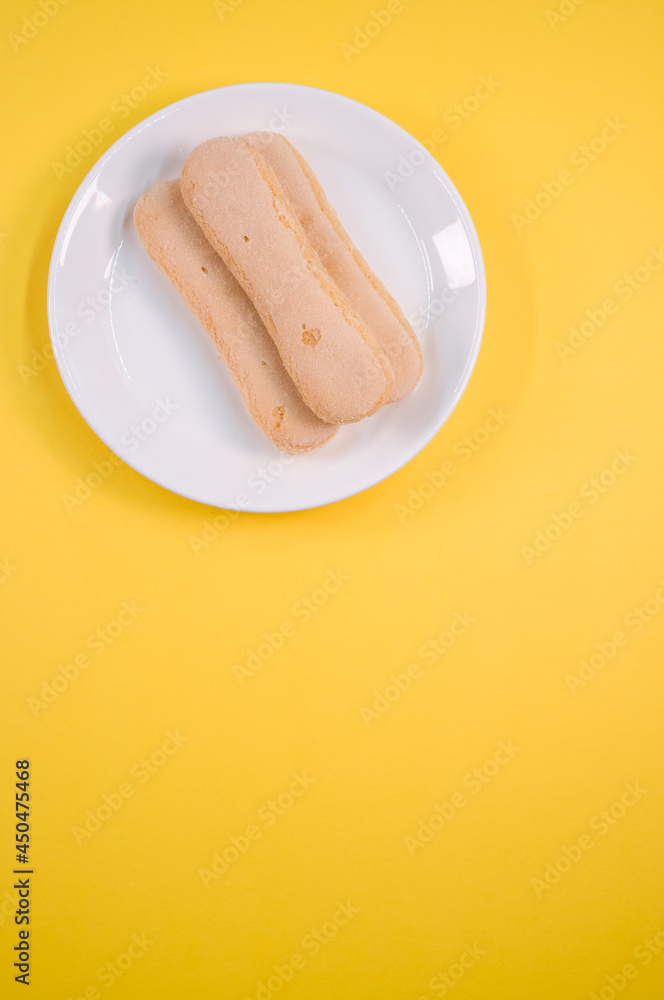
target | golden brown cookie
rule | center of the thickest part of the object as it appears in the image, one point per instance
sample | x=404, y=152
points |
x=179, y=248
x=326, y=348
x=344, y=262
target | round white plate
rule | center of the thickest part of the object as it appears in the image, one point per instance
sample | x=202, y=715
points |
x=145, y=376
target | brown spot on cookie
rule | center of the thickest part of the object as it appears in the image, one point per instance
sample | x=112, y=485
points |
x=278, y=413
x=310, y=337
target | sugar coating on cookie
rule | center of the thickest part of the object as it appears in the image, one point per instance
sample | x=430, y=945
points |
x=327, y=349
x=179, y=248
x=339, y=255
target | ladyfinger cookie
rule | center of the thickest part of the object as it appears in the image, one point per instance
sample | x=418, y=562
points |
x=326, y=348
x=345, y=264
x=179, y=249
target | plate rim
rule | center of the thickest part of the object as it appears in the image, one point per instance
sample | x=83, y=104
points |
x=95, y=169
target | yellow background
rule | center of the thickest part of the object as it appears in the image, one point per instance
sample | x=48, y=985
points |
x=67, y=574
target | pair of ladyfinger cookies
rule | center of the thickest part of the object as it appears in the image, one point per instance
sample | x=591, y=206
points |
x=309, y=333
x=179, y=248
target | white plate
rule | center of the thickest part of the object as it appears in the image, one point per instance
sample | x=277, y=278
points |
x=147, y=379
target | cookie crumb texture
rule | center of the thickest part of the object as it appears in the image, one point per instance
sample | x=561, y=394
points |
x=343, y=261
x=233, y=193
x=179, y=248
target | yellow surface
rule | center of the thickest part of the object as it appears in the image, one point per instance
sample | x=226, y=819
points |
x=353, y=839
